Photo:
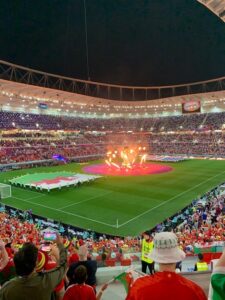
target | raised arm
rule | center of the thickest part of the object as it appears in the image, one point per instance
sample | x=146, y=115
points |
x=5, y=258
x=54, y=277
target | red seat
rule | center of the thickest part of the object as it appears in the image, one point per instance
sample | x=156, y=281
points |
x=98, y=258
x=207, y=257
x=125, y=262
x=135, y=258
x=216, y=255
x=110, y=263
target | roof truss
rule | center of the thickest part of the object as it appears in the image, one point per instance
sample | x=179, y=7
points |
x=216, y=6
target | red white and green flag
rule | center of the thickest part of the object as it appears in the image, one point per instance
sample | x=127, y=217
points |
x=126, y=279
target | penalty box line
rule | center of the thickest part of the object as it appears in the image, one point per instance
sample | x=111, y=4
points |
x=65, y=212
x=86, y=200
x=169, y=200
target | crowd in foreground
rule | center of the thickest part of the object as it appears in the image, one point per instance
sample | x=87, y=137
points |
x=33, y=280
x=200, y=224
x=74, y=257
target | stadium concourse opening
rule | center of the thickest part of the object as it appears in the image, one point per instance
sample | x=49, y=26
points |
x=136, y=170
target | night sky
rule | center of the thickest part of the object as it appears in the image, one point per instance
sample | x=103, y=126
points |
x=133, y=42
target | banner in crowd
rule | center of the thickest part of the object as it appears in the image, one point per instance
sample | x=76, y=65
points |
x=190, y=107
x=42, y=105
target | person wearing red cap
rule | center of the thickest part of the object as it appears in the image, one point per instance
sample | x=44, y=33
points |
x=166, y=284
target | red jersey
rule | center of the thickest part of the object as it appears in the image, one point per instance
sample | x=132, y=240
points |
x=79, y=292
x=165, y=285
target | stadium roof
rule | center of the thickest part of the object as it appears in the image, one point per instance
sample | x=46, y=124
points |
x=26, y=98
x=216, y=6
x=12, y=72
x=138, y=43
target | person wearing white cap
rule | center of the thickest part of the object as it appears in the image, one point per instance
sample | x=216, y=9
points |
x=165, y=284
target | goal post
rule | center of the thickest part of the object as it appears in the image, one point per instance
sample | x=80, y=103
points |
x=5, y=191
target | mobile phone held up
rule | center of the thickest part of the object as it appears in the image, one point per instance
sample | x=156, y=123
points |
x=45, y=248
x=50, y=236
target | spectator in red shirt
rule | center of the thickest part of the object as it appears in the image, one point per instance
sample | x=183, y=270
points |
x=81, y=290
x=165, y=284
x=91, y=266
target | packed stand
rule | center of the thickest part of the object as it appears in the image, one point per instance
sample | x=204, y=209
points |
x=213, y=121
x=195, y=143
x=200, y=224
x=197, y=134
x=14, y=149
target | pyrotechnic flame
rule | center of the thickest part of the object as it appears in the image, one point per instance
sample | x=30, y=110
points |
x=128, y=156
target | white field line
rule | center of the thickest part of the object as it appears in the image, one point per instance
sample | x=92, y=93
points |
x=88, y=199
x=167, y=201
x=67, y=213
x=26, y=189
x=39, y=196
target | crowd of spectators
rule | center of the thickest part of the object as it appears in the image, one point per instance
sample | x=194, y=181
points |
x=200, y=143
x=28, y=149
x=19, y=149
x=14, y=148
x=197, y=134
x=18, y=228
x=201, y=224
x=213, y=121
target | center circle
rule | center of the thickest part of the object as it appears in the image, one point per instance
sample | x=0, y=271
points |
x=136, y=170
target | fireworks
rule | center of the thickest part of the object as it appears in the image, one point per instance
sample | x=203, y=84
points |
x=126, y=157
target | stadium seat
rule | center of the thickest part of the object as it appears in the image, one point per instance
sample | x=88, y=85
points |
x=207, y=257
x=110, y=263
x=125, y=262
x=216, y=255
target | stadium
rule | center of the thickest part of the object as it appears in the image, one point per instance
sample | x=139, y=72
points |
x=104, y=159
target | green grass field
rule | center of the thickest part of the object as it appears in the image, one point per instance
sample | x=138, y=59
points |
x=138, y=203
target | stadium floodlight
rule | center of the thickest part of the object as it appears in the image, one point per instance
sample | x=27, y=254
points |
x=5, y=191
x=216, y=6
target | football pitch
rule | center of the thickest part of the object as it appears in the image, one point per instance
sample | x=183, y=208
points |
x=119, y=205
